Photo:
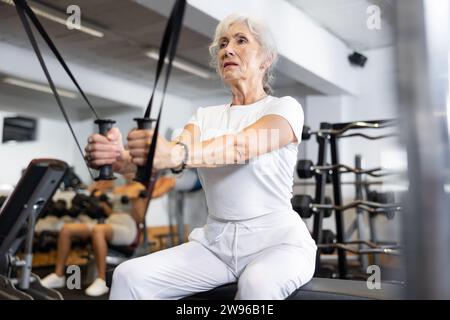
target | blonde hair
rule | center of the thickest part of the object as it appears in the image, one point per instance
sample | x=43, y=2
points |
x=262, y=34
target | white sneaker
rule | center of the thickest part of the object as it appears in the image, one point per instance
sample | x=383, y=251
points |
x=97, y=288
x=53, y=281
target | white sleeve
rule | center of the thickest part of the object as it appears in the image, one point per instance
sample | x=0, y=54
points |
x=195, y=119
x=290, y=109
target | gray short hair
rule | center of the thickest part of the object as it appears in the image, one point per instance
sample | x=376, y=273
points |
x=263, y=35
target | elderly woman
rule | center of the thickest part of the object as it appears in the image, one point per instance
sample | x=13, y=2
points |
x=245, y=152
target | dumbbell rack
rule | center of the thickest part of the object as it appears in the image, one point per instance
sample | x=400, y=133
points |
x=328, y=142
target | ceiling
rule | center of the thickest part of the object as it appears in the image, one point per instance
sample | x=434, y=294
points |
x=130, y=31
x=347, y=19
x=35, y=103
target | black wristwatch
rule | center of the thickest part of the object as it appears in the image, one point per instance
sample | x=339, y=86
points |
x=184, y=161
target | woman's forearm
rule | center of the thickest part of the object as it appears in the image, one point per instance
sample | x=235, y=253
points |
x=217, y=152
x=269, y=133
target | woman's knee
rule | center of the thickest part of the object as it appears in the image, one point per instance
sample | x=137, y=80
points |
x=256, y=284
x=132, y=281
x=121, y=287
x=66, y=232
x=124, y=271
x=71, y=230
x=98, y=229
x=129, y=272
x=99, y=232
x=259, y=283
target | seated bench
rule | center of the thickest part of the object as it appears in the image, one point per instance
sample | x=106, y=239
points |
x=316, y=289
x=18, y=216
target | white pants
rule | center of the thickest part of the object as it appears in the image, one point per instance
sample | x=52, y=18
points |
x=270, y=257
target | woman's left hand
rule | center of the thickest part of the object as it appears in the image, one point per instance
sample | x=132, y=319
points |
x=166, y=154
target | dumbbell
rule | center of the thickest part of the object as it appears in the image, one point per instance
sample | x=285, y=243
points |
x=306, y=133
x=304, y=205
x=57, y=209
x=47, y=211
x=306, y=169
x=45, y=241
x=60, y=208
x=93, y=207
x=383, y=198
x=124, y=200
x=104, y=198
x=143, y=194
x=328, y=237
x=79, y=204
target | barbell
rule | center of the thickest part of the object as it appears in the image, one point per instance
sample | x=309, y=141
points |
x=307, y=132
x=304, y=205
x=306, y=169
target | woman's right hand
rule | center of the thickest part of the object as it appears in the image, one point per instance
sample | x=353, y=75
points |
x=107, y=150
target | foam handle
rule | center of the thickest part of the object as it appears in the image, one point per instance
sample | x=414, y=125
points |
x=106, y=171
x=142, y=175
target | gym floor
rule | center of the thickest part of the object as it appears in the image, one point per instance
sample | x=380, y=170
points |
x=68, y=294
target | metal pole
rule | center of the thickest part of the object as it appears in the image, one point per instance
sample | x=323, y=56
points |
x=337, y=192
x=24, y=278
x=374, y=235
x=422, y=54
x=363, y=259
x=320, y=193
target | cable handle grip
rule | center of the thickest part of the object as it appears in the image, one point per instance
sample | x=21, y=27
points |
x=142, y=173
x=106, y=171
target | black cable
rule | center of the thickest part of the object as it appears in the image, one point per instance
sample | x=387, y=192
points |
x=168, y=47
x=23, y=18
x=55, y=51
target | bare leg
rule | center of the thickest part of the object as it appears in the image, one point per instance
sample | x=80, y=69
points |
x=101, y=235
x=66, y=234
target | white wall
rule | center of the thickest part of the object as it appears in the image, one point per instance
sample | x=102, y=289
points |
x=377, y=100
x=53, y=140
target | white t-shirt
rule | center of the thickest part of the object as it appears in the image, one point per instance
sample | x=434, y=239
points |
x=263, y=186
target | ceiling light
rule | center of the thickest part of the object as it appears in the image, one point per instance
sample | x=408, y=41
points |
x=38, y=87
x=182, y=65
x=58, y=17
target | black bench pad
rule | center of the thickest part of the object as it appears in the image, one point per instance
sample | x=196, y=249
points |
x=318, y=289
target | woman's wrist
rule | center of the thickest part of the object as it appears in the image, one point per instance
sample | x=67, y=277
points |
x=178, y=155
x=124, y=165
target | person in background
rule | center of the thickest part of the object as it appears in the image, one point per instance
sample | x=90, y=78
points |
x=120, y=228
